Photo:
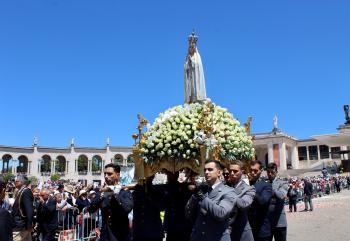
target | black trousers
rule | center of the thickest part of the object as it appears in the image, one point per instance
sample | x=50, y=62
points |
x=178, y=237
x=263, y=238
x=279, y=234
x=155, y=239
x=49, y=235
x=293, y=203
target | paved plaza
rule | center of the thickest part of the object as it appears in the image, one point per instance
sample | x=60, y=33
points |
x=329, y=221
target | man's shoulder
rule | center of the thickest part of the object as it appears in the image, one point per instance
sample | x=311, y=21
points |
x=26, y=193
x=280, y=182
x=261, y=184
x=244, y=185
x=224, y=189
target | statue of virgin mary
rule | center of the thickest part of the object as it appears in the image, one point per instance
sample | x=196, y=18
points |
x=194, y=74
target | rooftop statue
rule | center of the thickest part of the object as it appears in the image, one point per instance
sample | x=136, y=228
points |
x=35, y=141
x=194, y=74
x=275, y=122
x=347, y=118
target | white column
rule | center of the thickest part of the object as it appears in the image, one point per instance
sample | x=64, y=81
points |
x=89, y=166
x=39, y=167
x=295, y=157
x=71, y=167
x=318, y=152
x=270, y=152
x=53, y=170
x=283, y=160
x=307, y=156
x=14, y=163
x=29, y=167
x=76, y=166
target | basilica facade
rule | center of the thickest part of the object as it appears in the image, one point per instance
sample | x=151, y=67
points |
x=74, y=163
x=86, y=163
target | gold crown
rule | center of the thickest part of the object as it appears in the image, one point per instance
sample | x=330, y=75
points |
x=193, y=38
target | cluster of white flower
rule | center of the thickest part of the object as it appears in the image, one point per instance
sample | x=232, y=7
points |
x=174, y=133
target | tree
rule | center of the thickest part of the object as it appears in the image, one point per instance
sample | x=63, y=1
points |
x=33, y=180
x=55, y=177
x=8, y=177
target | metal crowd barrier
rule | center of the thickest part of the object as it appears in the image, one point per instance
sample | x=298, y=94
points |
x=78, y=226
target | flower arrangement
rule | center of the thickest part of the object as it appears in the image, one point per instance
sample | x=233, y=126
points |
x=179, y=132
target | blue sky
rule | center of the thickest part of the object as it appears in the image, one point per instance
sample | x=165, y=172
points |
x=84, y=69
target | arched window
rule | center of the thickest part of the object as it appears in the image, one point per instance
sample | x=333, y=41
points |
x=60, y=165
x=118, y=159
x=96, y=164
x=22, y=166
x=82, y=165
x=6, y=163
x=130, y=160
x=45, y=165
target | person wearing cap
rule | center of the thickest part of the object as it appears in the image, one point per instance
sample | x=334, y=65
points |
x=71, y=204
x=5, y=216
x=92, y=195
x=82, y=201
x=22, y=211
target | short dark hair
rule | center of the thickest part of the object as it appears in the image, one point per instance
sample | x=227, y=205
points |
x=252, y=163
x=238, y=163
x=218, y=164
x=115, y=167
x=272, y=166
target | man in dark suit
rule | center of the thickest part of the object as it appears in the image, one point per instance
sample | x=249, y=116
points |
x=277, y=215
x=5, y=216
x=258, y=213
x=241, y=230
x=176, y=225
x=47, y=216
x=148, y=202
x=211, y=207
x=308, y=190
x=115, y=204
x=22, y=211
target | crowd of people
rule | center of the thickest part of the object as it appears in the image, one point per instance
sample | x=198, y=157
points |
x=307, y=188
x=232, y=203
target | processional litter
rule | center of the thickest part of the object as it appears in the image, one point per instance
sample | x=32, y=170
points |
x=185, y=136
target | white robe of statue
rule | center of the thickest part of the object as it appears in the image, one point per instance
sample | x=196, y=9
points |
x=194, y=79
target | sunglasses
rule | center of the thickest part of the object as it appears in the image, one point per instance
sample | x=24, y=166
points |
x=108, y=173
